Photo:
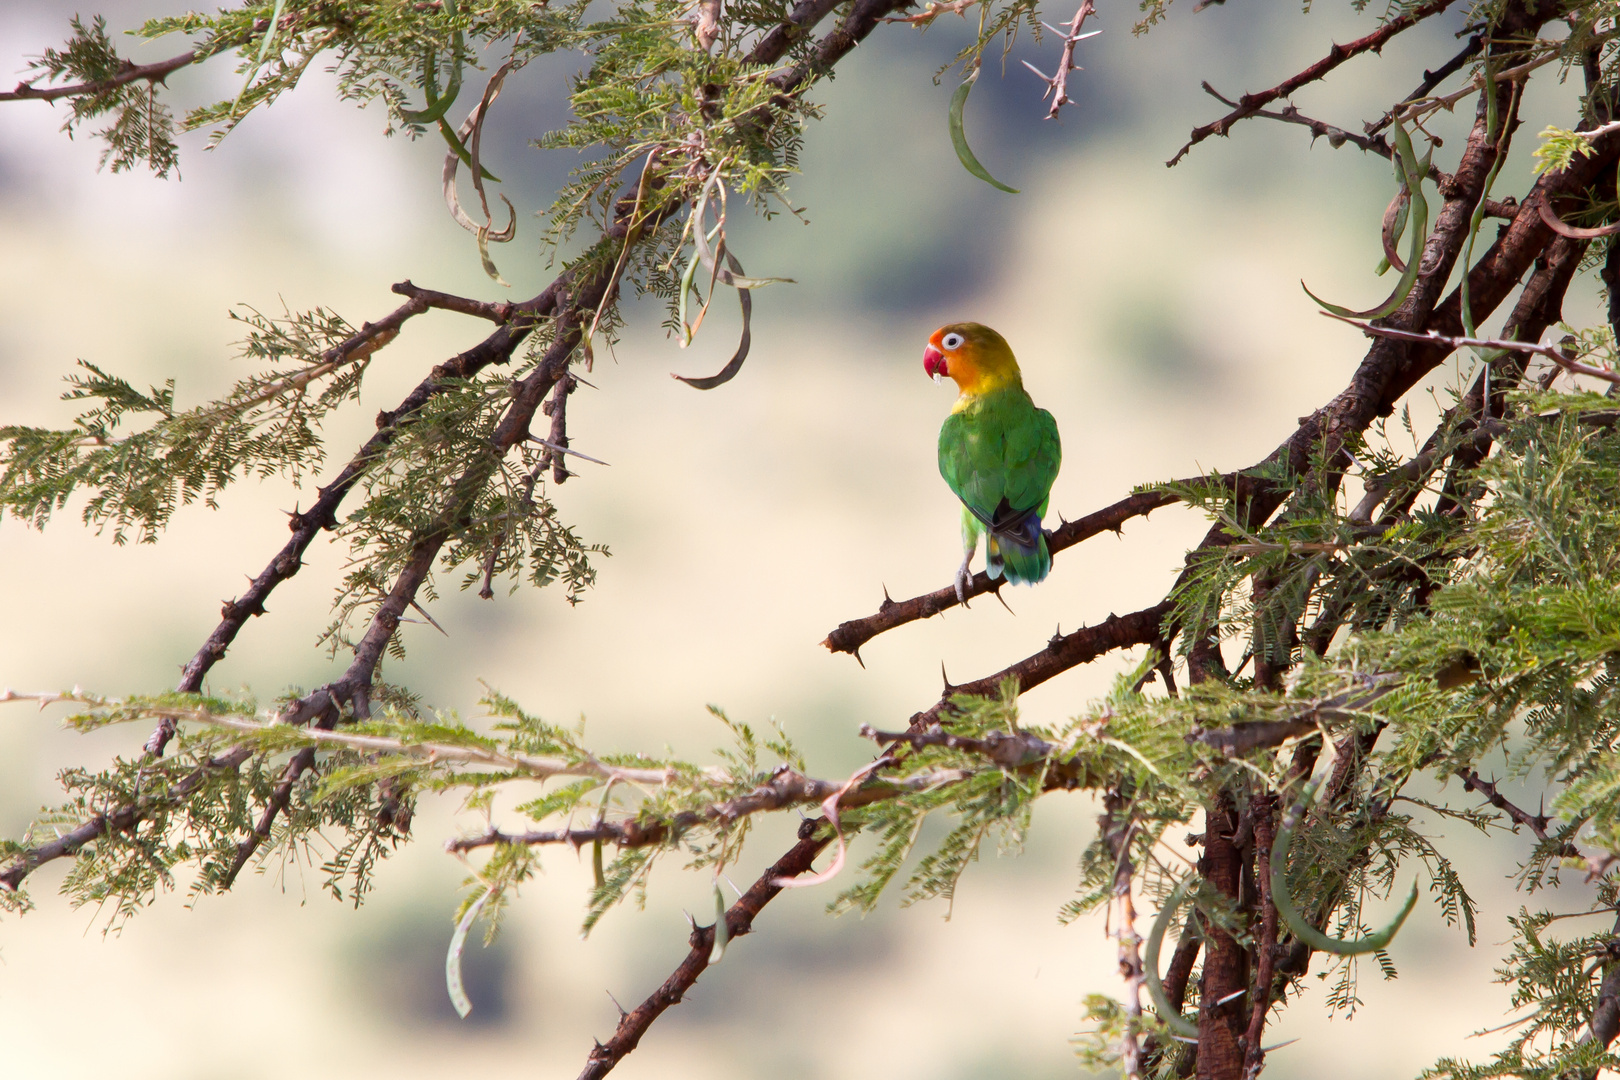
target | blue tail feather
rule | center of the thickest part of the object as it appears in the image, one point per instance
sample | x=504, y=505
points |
x=1021, y=547
x=1026, y=566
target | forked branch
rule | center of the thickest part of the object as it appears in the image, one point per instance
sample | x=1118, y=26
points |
x=1251, y=104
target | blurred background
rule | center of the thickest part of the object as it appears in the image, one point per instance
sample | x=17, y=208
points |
x=1157, y=313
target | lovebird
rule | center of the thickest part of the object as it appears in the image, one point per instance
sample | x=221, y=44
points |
x=997, y=451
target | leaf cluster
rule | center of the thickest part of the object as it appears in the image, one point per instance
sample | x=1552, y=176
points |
x=267, y=425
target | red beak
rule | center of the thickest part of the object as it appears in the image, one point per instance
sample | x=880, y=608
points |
x=934, y=363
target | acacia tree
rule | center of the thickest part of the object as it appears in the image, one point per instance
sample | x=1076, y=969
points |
x=1355, y=620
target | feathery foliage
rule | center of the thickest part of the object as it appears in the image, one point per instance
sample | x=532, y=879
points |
x=1461, y=619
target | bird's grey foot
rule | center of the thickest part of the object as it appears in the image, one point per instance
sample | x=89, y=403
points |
x=964, y=578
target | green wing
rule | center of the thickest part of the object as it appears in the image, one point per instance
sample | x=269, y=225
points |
x=1000, y=448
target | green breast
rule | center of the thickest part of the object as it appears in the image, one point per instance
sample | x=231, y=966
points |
x=1000, y=447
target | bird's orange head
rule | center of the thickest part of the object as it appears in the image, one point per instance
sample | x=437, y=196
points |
x=978, y=358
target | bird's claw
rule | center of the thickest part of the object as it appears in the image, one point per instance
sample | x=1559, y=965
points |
x=963, y=580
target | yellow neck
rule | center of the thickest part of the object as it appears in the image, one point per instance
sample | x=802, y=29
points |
x=975, y=382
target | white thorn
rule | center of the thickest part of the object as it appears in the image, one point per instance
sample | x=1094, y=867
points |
x=1038, y=73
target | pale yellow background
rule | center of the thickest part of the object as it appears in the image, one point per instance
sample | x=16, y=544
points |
x=1157, y=313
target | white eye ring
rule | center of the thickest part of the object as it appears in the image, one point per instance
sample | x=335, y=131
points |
x=952, y=341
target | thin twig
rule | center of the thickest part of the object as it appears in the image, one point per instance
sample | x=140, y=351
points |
x=785, y=788
x=1536, y=823
x=933, y=11
x=281, y=730
x=1010, y=749
x=1431, y=79
x=1062, y=652
x=1554, y=353
x=1336, y=136
x=1118, y=826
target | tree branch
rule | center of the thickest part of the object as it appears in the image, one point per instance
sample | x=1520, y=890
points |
x=1431, y=79
x=1118, y=825
x=1555, y=353
x=1605, y=1023
x=785, y=788
x=739, y=921
x=1290, y=115
x=851, y=635
x=1058, y=83
x=864, y=17
x=322, y=515
x=130, y=72
x=1539, y=306
x=1009, y=751
x=1250, y=104
x=561, y=300
x=120, y=819
x=1062, y=652
x=1536, y=823
x=500, y=314
x=1261, y=810
x=800, y=21
x=133, y=813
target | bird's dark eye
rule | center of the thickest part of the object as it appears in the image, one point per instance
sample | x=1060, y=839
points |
x=952, y=341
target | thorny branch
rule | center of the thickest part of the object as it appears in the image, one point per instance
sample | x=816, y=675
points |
x=1057, y=84
x=557, y=302
x=851, y=635
x=1335, y=136
x=1536, y=823
x=322, y=514
x=1388, y=371
x=1250, y=104
x=130, y=72
x=1062, y=652
x=739, y=921
x=301, y=763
